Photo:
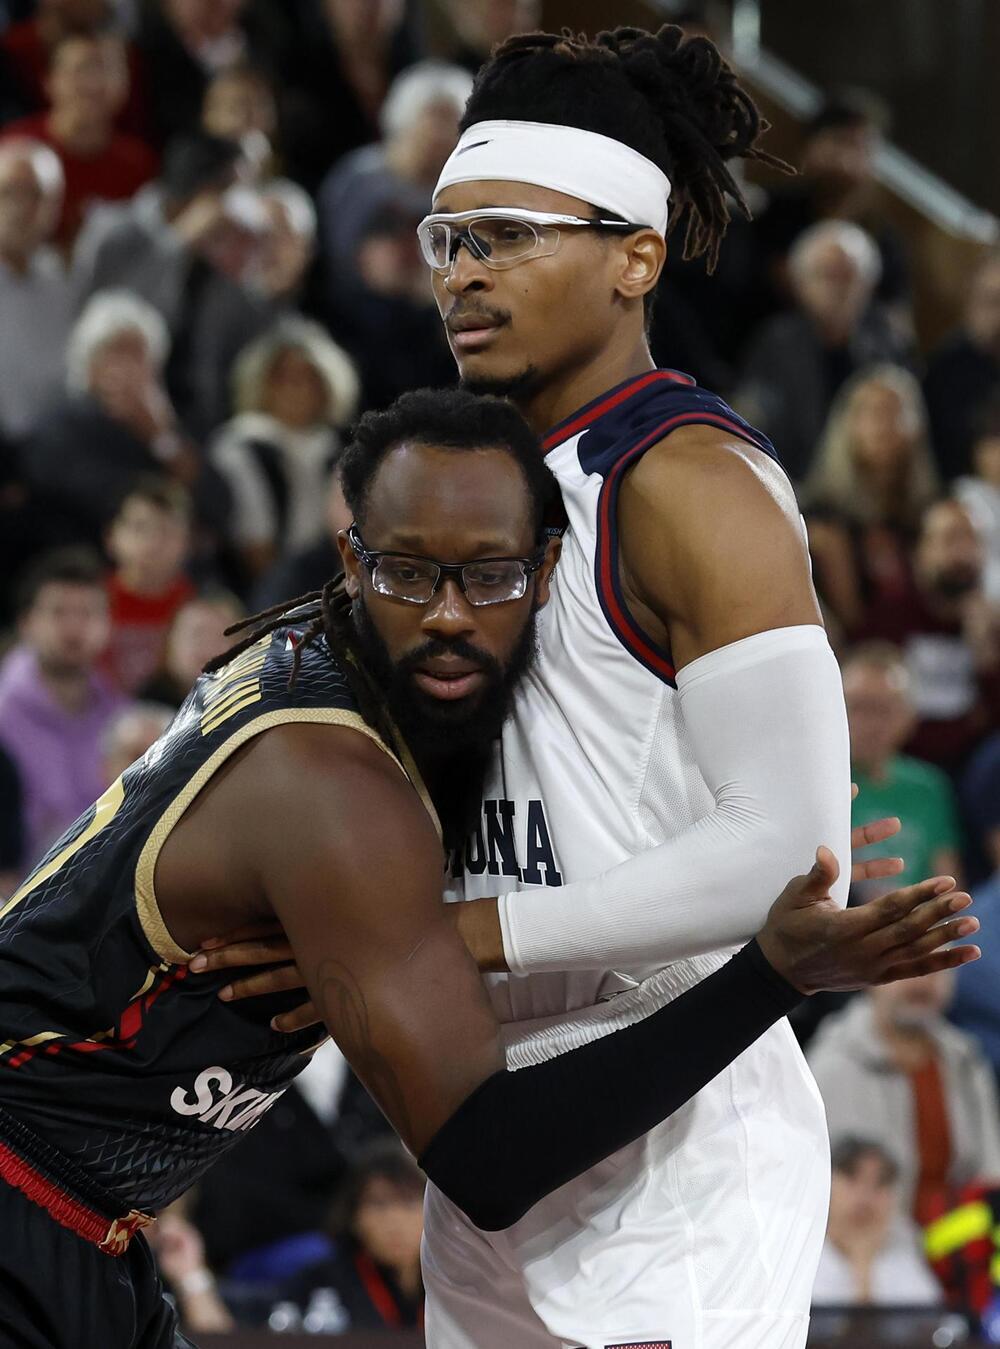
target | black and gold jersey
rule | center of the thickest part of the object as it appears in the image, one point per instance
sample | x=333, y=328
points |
x=110, y=1052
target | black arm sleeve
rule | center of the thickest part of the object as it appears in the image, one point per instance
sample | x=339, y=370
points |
x=521, y=1135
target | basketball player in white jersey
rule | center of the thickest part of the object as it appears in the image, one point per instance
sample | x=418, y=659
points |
x=681, y=745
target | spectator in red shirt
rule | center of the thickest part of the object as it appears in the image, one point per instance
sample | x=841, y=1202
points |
x=88, y=84
x=27, y=47
x=149, y=541
x=950, y=636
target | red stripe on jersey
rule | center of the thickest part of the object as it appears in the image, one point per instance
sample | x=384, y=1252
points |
x=566, y=429
x=626, y=629
x=129, y=1026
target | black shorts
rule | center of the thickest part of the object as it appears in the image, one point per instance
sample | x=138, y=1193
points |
x=58, y=1291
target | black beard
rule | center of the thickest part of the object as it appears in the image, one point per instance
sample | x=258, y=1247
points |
x=514, y=387
x=451, y=741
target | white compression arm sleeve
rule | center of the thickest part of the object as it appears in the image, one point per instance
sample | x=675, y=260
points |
x=766, y=722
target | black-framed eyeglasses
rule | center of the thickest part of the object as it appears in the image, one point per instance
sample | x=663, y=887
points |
x=503, y=236
x=415, y=579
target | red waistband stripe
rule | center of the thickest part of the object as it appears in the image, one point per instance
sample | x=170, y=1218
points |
x=112, y=1237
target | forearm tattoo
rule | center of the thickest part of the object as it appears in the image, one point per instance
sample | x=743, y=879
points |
x=345, y=1012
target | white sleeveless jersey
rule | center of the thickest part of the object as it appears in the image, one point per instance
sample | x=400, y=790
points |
x=594, y=765
x=707, y=1230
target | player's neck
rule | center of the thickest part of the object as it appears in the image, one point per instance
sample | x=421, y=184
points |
x=561, y=397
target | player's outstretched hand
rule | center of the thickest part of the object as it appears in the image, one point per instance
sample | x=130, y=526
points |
x=817, y=945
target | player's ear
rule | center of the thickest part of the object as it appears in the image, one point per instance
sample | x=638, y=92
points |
x=352, y=582
x=644, y=254
x=543, y=584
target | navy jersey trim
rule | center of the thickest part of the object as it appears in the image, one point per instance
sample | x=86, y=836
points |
x=599, y=407
x=657, y=659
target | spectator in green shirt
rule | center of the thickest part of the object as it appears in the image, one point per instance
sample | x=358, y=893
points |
x=881, y=718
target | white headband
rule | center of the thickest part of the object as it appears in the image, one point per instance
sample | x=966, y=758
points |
x=583, y=164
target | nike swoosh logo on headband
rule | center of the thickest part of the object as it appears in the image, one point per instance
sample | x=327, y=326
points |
x=474, y=146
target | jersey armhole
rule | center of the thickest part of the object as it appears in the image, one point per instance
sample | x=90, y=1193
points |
x=147, y=908
x=636, y=641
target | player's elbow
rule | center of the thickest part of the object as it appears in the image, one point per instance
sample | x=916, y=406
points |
x=780, y=832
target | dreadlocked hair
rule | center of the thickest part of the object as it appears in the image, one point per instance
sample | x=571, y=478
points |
x=320, y=613
x=670, y=97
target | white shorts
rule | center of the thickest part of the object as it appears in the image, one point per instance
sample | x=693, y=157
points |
x=705, y=1234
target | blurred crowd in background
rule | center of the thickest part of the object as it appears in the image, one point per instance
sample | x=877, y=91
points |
x=208, y=269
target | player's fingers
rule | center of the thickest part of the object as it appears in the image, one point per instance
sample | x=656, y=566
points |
x=877, y=868
x=922, y=918
x=939, y=935
x=297, y=1019
x=278, y=979
x=248, y=932
x=263, y=951
x=803, y=891
x=815, y=884
x=951, y=959
x=875, y=831
x=880, y=914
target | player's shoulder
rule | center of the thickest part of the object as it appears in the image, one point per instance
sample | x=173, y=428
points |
x=335, y=794
x=320, y=784
x=288, y=667
x=298, y=754
x=287, y=696
x=659, y=405
x=701, y=472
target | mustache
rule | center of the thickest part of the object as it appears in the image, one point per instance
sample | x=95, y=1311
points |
x=482, y=311
x=464, y=650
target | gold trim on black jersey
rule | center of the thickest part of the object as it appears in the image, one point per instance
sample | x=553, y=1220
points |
x=105, y=810
x=145, y=895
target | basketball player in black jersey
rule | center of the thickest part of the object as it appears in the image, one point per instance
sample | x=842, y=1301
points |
x=284, y=788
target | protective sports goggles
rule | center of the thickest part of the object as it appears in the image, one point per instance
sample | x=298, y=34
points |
x=503, y=236
x=415, y=579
